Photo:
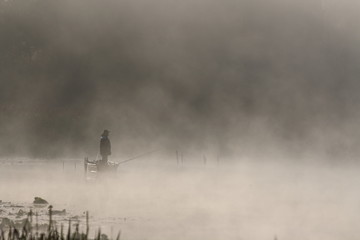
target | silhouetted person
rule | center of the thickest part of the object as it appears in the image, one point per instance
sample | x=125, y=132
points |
x=105, y=146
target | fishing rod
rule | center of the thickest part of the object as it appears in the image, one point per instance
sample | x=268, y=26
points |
x=138, y=156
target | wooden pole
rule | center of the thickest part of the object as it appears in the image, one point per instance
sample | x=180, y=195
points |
x=177, y=157
x=50, y=218
x=87, y=224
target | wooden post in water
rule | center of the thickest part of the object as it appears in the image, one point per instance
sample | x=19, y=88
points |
x=85, y=164
x=177, y=157
x=31, y=216
x=50, y=218
x=87, y=224
x=37, y=225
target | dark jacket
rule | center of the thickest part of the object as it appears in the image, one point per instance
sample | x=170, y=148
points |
x=105, y=146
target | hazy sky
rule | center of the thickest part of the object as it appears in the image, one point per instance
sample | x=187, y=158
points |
x=249, y=77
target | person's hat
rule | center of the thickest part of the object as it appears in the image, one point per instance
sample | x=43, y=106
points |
x=106, y=132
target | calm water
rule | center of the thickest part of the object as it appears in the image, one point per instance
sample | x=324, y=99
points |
x=165, y=201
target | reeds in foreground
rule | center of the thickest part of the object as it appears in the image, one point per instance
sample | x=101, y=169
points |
x=52, y=233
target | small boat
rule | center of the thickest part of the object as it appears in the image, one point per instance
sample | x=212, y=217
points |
x=92, y=168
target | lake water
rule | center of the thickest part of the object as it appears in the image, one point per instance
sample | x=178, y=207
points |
x=161, y=200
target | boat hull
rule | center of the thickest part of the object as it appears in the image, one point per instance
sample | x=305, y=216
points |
x=93, y=168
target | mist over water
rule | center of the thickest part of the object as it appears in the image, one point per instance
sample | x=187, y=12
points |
x=248, y=200
x=198, y=75
x=251, y=104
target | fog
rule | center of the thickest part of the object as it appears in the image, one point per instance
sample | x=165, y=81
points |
x=246, y=201
x=192, y=75
x=252, y=106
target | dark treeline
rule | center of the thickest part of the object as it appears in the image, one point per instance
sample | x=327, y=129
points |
x=230, y=76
